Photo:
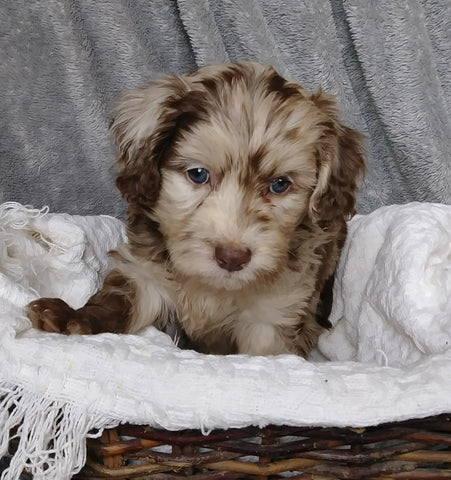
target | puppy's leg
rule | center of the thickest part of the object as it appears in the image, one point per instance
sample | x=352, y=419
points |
x=109, y=310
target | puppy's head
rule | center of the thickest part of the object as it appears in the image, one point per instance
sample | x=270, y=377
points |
x=228, y=162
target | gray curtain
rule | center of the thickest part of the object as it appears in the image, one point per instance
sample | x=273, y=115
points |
x=63, y=62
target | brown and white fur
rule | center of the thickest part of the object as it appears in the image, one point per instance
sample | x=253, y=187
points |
x=241, y=259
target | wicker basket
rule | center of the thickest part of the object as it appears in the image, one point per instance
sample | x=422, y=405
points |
x=414, y=449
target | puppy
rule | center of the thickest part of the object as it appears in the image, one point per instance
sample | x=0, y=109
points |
x=239, y=184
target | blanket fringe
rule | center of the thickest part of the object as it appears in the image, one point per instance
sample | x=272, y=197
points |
x=17, y=215
x=48, y=436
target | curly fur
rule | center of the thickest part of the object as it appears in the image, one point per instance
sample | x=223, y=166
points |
x=241, y=268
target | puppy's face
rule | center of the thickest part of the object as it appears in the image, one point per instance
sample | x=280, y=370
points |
x=229, y=161
x=236, y=186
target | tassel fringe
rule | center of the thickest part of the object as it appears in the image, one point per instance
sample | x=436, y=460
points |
x=48, y=435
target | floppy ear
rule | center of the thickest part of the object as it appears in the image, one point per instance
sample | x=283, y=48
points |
x=340, y=160
x=144, y=126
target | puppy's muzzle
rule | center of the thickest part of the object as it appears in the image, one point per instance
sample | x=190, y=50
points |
x=232, y=259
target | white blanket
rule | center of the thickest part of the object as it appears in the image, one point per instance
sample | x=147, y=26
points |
x=387, y=357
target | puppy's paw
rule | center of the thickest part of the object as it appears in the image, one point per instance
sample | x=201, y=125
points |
x=55, y=315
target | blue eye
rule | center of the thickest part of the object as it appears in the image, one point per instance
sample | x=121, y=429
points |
x=279, y=185
x=198, y=175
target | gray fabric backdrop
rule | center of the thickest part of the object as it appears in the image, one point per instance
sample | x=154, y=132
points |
x=63, y=62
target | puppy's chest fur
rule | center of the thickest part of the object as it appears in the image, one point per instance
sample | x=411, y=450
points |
x=270, y=317
x=255, y=321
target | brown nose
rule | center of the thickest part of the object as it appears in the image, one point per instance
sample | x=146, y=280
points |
x=232, y=259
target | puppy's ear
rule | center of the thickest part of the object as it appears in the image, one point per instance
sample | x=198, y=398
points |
x=340, y=161
x=144, y=125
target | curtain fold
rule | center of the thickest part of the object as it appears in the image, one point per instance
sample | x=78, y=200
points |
x=64, y=63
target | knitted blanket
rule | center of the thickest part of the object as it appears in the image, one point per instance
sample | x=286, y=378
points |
x=387, y=357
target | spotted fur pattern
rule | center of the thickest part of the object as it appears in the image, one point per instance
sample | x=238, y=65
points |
x=247, y=127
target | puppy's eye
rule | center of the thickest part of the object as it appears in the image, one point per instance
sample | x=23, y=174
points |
x=198, y=175
x=279, y=185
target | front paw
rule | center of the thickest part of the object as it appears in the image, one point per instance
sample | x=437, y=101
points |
x=55, y=315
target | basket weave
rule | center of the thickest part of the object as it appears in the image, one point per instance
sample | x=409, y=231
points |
x=414, y=449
